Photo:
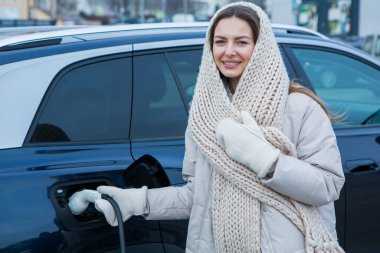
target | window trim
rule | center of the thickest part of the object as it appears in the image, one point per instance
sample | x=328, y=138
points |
x=168, y=44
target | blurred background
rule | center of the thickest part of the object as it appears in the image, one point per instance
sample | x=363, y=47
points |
x=353, y=21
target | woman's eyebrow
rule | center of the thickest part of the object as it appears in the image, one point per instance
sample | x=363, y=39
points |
x=236, y=38
x=243, y=37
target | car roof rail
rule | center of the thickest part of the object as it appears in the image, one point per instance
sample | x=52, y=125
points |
x=292, y=29
x=32, y=38
x=59, y=36
x=31, y=44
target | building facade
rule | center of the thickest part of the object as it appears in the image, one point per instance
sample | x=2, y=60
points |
x=338, y=18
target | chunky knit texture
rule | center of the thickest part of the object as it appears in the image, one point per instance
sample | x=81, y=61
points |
x=237, y=192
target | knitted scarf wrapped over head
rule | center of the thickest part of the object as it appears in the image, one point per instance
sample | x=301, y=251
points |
x=237, y=191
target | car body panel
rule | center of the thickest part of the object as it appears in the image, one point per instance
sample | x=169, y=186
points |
x=360, y=149
x=29, y=221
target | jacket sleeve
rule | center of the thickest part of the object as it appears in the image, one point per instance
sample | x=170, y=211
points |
x=175, y=202
x=316, y=176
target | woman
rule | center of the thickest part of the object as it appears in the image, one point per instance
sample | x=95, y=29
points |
x=262, y=165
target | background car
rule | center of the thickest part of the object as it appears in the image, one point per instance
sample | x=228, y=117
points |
x=109, y=105
x=372, y=45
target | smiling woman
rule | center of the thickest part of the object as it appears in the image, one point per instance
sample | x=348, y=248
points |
x=239, y=119
x=232, y=47
x=258, y=177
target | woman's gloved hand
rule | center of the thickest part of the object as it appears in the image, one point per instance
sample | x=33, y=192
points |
x=245, y=143
x=131, y=202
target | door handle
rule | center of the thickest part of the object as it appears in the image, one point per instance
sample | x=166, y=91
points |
x=362, y=165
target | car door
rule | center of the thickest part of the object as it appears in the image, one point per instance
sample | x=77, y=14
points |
x=161, y=94
x=79, y=139
x=350, y=87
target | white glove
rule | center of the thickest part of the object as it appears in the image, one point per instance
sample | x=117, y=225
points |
x=245, y=143
x=78, y=202
x=131, y=202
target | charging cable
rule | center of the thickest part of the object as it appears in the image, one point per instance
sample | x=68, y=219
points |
x=119, y=218
x=79, y=201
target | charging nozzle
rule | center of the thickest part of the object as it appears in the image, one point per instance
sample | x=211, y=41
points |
x=79, y=201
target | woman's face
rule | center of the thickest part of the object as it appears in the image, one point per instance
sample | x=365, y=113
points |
x=232, y=48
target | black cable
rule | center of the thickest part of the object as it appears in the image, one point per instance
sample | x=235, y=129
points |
x=119, y=217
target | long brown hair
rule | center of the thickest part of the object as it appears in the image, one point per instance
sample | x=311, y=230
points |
x=250, y=16
x=296, y=87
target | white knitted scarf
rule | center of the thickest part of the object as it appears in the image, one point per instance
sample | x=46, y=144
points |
x=237, y=192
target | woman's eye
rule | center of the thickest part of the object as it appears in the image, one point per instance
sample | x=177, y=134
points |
x=242, y=43
x=219, y=42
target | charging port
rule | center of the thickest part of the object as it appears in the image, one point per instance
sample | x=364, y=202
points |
x=59, y=195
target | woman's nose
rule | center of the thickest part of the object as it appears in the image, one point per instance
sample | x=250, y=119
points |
x=230, y=49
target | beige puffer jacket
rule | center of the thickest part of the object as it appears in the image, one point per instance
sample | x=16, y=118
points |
x=315, y=178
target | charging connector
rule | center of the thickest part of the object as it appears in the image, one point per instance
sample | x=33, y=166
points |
x=79, y=201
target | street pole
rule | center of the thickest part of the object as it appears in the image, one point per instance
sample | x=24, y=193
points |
x=322, y=9
x=185, y=9
x=163, y=8
x=142, y=11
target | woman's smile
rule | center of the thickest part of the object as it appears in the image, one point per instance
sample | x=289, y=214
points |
x=231, y=64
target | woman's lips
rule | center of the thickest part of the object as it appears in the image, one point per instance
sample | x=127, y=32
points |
x=231, y=64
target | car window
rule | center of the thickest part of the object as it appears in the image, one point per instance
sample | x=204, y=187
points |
x=348, y=86
x=186, y=64
x=158, y=109
x=88, y=103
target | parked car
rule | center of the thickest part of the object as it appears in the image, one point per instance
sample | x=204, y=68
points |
x=109, y=105
x=372, y=45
